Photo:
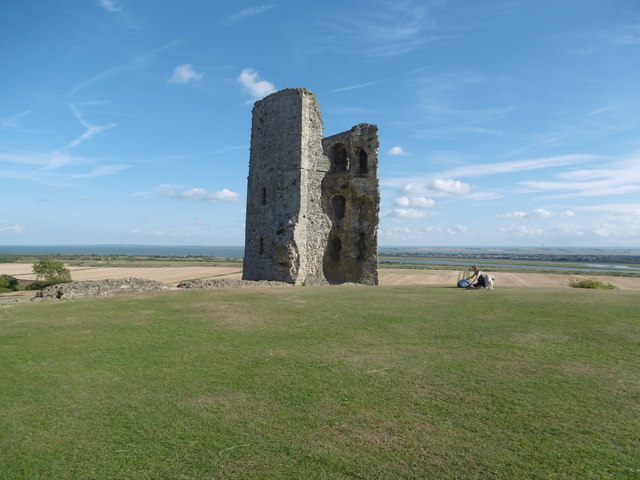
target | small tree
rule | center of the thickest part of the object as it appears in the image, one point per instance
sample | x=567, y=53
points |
x=51, y=271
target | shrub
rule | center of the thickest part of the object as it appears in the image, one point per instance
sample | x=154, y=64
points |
x=8, y=283
x=590, y=283
x=51, y=271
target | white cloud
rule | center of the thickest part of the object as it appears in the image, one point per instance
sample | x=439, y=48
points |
x=110, y=5
x=185, y=74
x=256, y=88
x=197, y=193
x=223, y=195
x=454, y=187
x=192, y=193
x=420, y=202
x=541, y=212
x=568, y=213
x=407, y=213
x=538, y=212
x=437, y=187
x=397, y=151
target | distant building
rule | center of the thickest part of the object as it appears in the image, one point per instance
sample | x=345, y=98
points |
x=312, y=203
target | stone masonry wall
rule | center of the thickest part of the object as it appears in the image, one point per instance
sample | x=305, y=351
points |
x=312, y=204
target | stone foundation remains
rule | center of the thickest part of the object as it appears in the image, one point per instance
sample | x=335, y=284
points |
x=312, y=203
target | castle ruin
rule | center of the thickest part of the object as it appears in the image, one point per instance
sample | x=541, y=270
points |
x=312, y=202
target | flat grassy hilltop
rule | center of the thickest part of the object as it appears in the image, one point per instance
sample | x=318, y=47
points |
x=406, y=382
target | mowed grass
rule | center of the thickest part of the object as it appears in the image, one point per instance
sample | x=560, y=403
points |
x=323, y=383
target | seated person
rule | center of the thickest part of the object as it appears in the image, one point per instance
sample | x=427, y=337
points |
x=477, y=279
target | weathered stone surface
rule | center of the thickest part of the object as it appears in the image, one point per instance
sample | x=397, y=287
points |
x=312, y=204
x=231, y=283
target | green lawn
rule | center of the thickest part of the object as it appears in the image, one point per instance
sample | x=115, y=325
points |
x=323, y=383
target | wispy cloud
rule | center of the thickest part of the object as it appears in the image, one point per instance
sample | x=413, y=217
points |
x=521, y=231
x=421, y=232
x=45, y=161
x=383, y=29
x=619, y=178
x=248, y=12
x=606, y=108
x=222, y=151
x=110, y=5
x=626, y=36
x=487, y=169
x=12, y=122
x=12, y=228
x=91, y=130
x=185, y=74
x=54, y=168
x=102, y=171
x=252, y=84
x=355, y=87
x=133, y=64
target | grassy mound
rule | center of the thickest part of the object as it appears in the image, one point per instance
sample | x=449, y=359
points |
x=322, y=383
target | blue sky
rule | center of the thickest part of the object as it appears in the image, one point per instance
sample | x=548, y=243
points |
x=508, y=123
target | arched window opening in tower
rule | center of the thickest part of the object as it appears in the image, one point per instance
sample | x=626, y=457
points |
x=339, y=158
x=363, y=162
x=338, y=204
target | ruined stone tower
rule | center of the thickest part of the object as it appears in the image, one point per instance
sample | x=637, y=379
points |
x=312, y=203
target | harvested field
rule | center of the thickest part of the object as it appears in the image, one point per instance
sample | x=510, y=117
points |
x=388, y=276
x=169, y=275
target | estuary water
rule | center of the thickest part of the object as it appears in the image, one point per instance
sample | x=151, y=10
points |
x=465, y=264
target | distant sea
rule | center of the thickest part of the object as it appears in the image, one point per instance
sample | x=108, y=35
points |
x=136, y=250
x=238, y=251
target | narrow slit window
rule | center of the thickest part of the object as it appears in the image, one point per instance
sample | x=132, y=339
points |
x=363, y=162
x=264, y=195
x=261, y=248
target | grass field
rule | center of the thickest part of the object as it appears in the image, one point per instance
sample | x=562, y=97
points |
x=408, y=382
